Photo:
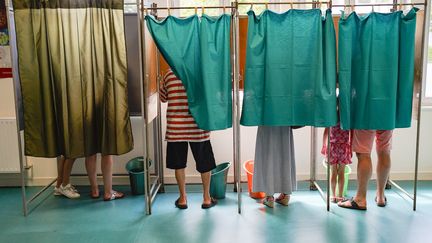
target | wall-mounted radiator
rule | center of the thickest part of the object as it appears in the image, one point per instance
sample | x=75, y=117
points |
x=9, y=154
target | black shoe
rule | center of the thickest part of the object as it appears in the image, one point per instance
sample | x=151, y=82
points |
x=180, y=206
x=212, y=203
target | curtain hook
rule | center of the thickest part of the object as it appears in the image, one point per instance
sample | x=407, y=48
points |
x=251, y=7
x=224, y=9
x=320, y=4
x=266, y=6
x=202, y=10
x=352, y=8
x=373, y=8
x=328, y=4
x=291, y=3
x=196, y=10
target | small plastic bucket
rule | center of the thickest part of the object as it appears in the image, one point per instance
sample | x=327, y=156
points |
x=135, y=168
x=346, y=179
x=248, y=166
x=219, y=176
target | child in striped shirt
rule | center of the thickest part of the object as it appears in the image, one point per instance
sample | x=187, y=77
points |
x=182, y=130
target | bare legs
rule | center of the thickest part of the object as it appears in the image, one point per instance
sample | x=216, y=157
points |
x=333, y=180
x=64, y=170
x=383, y=170
x=106, y=165
x=90, y=163
x=337, y=178
x=60, y=163
x=205, y=177
x=181, y=181
x=341, y=180
x=364, y=172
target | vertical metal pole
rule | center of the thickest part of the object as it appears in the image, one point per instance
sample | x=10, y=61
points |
x=147, y=127
x=236, y=106
x=160, y=172
x=425, y=38
x=312, y=158
x=234, y=118
x=143, y=79
x=394, y=9
x=328, y=169
x=9, y=9
x=159, y=128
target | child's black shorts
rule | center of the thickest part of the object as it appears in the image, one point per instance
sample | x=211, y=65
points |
x=202, y=152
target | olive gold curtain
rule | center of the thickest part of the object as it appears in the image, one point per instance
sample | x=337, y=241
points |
x=72, y=66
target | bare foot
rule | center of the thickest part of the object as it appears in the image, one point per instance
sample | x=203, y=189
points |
x=182, y=200
x=94, y=193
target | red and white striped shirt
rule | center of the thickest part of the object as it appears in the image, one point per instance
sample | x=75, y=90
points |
x=181, y=126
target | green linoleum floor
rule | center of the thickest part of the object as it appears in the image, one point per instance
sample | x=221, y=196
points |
x=57, y=219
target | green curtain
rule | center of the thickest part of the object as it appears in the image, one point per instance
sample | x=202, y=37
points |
x=199, y=54
x=376, y=70
x=290, y=76
x=72, y=66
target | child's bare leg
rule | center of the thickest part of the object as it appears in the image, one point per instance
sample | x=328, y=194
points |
x=333, y=179
x=341, y=180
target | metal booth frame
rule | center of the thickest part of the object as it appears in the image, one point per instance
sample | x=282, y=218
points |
x=152, y=10
x=236, y=81
x=154, y=183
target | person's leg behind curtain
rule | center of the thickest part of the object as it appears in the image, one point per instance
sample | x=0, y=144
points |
x=91, y=165
x=109, y=193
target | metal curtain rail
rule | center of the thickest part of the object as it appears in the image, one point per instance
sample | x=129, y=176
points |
x=283, y=3
x=188, y=7
x=378, y=5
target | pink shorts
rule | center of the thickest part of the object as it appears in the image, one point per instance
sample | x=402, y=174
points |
x=362, y=140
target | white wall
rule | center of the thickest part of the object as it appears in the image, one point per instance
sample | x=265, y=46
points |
x=7, y=108
x=403, y=153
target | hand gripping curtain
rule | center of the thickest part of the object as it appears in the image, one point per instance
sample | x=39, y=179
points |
x=199, y=54
x=290, y=69
x=72, y=66
x=376, y=70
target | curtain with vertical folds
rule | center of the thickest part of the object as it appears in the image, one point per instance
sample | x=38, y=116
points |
x=376, y=70
x=290, y=76
x=198, y=51
x=72, y=66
